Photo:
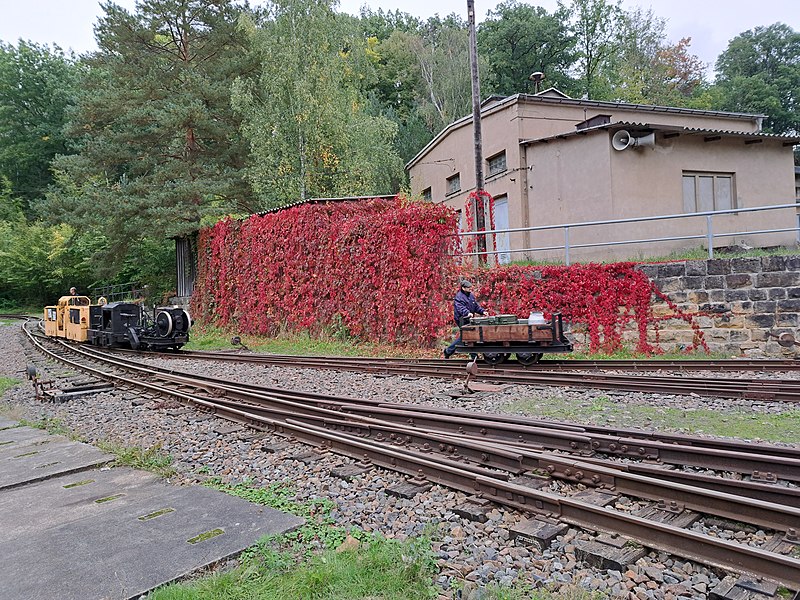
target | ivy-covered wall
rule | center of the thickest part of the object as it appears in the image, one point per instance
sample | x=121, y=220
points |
x=741, y=304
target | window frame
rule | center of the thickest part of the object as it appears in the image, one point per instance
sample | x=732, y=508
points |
x=457, y=178
x=715, y=176
x=426, y=194
x=491, y=159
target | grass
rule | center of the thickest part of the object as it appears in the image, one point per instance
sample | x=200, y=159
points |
x=310, y=561
x=781, y=427
x=148, y=459
x=7, y=383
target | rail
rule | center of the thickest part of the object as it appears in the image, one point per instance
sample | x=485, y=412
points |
x=709, y=236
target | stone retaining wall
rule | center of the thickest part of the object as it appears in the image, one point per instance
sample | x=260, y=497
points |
x=742, y=301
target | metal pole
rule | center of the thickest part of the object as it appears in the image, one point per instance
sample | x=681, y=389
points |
x=710, y=236
x=480, y=219
x=566, y=245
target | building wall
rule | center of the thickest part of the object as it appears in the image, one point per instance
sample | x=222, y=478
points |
x=567, y=187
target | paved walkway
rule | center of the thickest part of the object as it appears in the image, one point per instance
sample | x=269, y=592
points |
x=70, y=527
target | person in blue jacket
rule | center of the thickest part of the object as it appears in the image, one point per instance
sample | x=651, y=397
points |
x=465, y=306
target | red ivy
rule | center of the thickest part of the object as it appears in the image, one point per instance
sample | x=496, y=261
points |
x=383, y=271
x=380, y=269
x=606, y=297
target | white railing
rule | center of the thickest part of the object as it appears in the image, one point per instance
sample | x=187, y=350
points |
x=709, y=236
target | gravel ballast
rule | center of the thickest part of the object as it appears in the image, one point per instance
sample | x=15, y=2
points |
x=481, y=553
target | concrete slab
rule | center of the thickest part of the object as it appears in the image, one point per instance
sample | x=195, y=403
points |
x=118, y=533
x=6, y=423
x=28, y=455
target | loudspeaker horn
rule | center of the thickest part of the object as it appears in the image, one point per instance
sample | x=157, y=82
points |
x=621, y=140
x=646, y=141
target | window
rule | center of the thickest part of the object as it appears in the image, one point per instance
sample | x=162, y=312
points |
x=708, y=191
x=426, y=194
x=496, y=164
x=454, y=184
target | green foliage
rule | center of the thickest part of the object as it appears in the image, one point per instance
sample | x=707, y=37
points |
x=7, y=383
x=379, y=568
x=37, y=88
x=159, y=146
x=305, y=116
x=760, y=72
x=151, y=459
x=50, y=425
x=520, y=39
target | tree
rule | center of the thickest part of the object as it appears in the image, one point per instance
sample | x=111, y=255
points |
x=646, y=69
x=159, y=145
x=37, y=87
x=305, y=116
x=760, y=72
x=519, y=39
x=596, y=27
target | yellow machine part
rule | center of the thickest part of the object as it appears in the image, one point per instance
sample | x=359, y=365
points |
x=69, y=318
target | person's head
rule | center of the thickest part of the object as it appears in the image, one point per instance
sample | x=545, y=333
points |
x=466, y=286
x=73, y=291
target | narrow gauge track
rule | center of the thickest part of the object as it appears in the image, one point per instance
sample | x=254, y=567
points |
x=546, y=364
x=476, y=464
x=778, y=390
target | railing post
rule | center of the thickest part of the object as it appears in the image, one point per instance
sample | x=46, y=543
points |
x=710, y=236
x=566, y=245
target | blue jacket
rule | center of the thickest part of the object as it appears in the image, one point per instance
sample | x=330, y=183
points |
x=463, y=304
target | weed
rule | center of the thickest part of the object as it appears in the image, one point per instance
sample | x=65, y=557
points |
x=7, y=383
x=149, y=459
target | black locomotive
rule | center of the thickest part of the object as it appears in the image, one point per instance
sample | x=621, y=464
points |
x=127, y=324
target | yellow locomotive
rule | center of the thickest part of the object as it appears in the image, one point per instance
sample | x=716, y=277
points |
x=117, y=324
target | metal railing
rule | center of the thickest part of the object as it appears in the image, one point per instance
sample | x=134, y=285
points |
x=709, y=236
x=119, y=291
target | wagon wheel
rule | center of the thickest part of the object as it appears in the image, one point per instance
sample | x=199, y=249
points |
x=528, y=358
x=495, y=358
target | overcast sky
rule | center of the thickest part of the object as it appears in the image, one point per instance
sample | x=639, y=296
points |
x=710, y=23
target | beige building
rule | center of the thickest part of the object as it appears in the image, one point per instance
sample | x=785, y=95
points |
x=554, y=160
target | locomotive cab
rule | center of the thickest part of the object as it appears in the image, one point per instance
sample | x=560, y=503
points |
x=69, y=318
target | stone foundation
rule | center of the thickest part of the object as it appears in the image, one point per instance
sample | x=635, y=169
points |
x=741, y=300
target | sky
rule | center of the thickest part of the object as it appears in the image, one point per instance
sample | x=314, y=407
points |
x=710, y=23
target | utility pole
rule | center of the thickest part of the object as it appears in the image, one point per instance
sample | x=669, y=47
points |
x=480, y=219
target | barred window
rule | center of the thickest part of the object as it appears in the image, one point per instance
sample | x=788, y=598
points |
x=496, y=163
x=454, y=184
x=708, y=191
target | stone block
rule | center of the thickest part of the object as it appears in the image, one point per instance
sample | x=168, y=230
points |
x=787, y=320
x=760, y=321
x=773, y=263
x=758, y=335
x=697, y=297
x=717, y=295
x=651, y=271
x=739, y=335
x=793, y=292
x=717, y=308
x=778, y=293
x=696, y=267
x=678, y=296
x=765, y=306
x=718, y=266
x=792, y=263
x=730, y=321
x=676, y=269
x=757, y=294
x=738, y=280
x=745, y=265
x=742, y=308
x=704, y=322
x=790, y=305
x=714, y=282
x=736, y=295
x=777, y=279
x=671, y=284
